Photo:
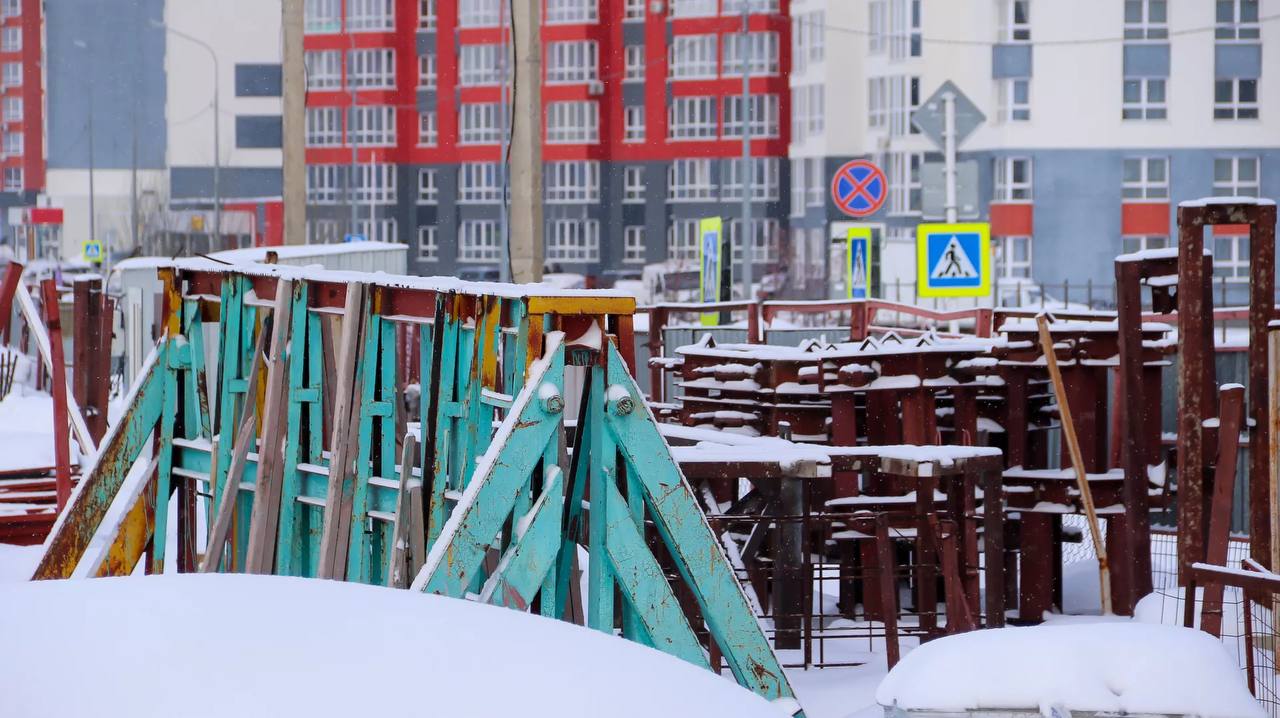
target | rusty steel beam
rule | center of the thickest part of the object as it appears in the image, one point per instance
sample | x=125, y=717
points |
x=1230, y=403
x=8, y=286
x=57, y=379
x=1133, y=565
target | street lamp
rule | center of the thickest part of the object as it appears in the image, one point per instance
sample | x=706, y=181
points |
x=93, y=232
x=217, y=114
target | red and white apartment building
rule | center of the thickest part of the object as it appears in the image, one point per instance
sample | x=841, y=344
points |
x=643, y=121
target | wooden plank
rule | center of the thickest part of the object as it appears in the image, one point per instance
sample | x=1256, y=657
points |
x=337, y=510
x=398, y=571
x=524, y=566
x=265, y=516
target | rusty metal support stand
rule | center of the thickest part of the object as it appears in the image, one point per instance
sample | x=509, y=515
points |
x=1230, y=402
x=61, y=426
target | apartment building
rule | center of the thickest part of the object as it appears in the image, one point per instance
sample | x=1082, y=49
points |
x=22, y=167
x=1101, y=115
x=643, y=127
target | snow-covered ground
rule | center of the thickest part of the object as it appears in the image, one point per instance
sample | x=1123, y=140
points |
x=219, y=645
x=26, y=436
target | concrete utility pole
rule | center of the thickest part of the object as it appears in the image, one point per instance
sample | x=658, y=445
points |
x=748, y=237
x=294, y=125
x=526, y=146
x=353, y=171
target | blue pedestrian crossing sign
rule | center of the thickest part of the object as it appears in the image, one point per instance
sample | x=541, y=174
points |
x=92, y=251
x=858, y=263
x=953, y=260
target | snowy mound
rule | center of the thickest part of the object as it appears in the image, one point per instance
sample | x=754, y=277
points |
x=230, y=645
x=1127, y=668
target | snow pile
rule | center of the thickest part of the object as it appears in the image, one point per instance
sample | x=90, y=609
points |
x=1126, y=668
x=221, y=645
x=26, y=430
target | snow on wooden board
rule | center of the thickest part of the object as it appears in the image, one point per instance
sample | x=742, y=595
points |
x=223, y=644
x=1112, y=668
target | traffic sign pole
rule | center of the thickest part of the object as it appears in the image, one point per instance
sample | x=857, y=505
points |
x=949, y=153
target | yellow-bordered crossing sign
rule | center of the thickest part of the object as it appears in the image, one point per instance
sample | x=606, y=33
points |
x=953, y=260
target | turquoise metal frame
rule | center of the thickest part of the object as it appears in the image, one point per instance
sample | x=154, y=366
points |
x=512, y=491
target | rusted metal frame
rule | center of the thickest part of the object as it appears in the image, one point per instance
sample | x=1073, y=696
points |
x=888, y=585
x=342, y=447
x=926, y=550
x=657, y=321
x=993, y=546
x=124, y=441
x=1036, y=548
x=80, y=343
x=304, y=437
x=1262, y=280
x=1133, y=567
x=135, y=531
x=263, y=522
x=959, y=618
x=100, y=391
x=1256, y=583
x=8, y=287
x=61, y=429
x=1230, y=406
x=789, y=563
x=35, y=325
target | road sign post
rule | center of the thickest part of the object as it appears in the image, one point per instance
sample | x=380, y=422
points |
x=953, y=260
x=712, y=267
x=859, y=188
x=858, y=263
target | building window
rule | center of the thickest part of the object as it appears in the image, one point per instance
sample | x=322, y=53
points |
x=426, y=14
x=1144, y=99
x=323, y=126
x=797, y=188
x=634, y=64
x=371, y=69
x=573, y=240
x=689, y=180
x=1146, y=178
x=906, y=187
x=428, y=247
x=1235, y=99
x=573, y=122
x=1015, y=99
x=478, y=13
x=1016, y=21
x=426, y=72
x=807, y=112
x=1013, y=179
x=12, y=74
x=693, y=57
x=692, y=118
x=12, y=179
x=1146, y=20
x=428, y=135
x=693, y=8
x=320, y=16
x=478, y=124
x=1012, y=257
x=815, y=182
x=573, y=61
x=633, y=184
x=633, y=125
x=633, y=245
x=375, y=184
x=478, y=65
x=764, y=179
x=478, y=241
x=1231, y=257
x=324, y=183
x=13, y=107
x=763, y=120
x=560, y=12
x=877, y=105
x=373, y=126
x=428, y=189
x=11, y=8
x=904, y=29
x=572, y=181
x=902, y=97
x=1235, y=177
x=378, y=230
x=633, y=10
x=878, y=27
x=764, y=240
x=324, y=69
x=682, y=239
x=11, y=39
x=1141, y=243
x=371, y=15
x=478, y=183
x=1237, y=20
x=762, y=53
x=323, y=231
